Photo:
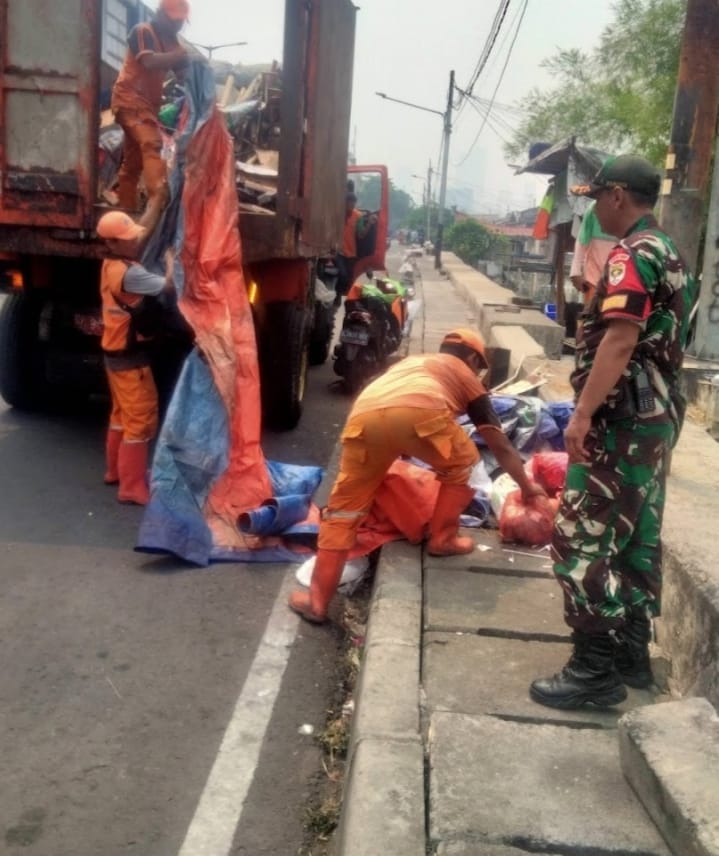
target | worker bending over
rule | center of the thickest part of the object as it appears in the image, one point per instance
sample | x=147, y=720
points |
x=411, y=410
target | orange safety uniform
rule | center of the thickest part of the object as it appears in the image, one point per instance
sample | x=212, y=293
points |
x=410, y=410
x=349, y=236
x=136, y=100
x=127, y=363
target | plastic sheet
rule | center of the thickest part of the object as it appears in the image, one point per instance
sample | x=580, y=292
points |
x=208, y=466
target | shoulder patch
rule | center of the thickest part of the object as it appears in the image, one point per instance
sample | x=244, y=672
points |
x=617, y=270
x=616, y=301
x=620, y=256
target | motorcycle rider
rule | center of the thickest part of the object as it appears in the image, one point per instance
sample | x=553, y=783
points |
x=411, y=410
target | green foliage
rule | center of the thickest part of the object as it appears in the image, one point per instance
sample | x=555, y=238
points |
x=417, y=218
x=472, y=241
x=620, y=96
x=369, y=194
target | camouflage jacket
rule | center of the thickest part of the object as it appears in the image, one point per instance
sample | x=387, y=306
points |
x=646, y=281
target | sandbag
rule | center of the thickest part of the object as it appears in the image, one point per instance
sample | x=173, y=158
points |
x=527, y=523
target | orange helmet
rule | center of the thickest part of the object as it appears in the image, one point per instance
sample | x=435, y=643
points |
x=469, y=338
x=176, y=10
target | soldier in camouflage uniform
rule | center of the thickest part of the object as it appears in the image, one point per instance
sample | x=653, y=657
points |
x=628, y=414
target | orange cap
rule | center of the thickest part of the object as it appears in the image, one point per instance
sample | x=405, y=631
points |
x=176, y=10
x=118, y=226
x=467, y=337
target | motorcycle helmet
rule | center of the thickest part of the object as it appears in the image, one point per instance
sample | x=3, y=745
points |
x=465, y=343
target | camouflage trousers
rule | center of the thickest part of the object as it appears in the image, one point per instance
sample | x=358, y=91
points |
x=606, y=545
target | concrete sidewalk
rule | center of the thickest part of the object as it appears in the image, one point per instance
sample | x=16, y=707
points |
x=448, y=753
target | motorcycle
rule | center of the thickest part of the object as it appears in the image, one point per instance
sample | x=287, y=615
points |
x=376, y=319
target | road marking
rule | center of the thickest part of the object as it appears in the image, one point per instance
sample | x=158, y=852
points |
x=213, y=826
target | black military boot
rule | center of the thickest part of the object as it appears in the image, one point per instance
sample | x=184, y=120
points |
x=632, y=657
x=590, y=677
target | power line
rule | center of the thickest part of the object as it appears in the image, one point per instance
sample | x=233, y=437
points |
x=486, y=51
x=499, y=82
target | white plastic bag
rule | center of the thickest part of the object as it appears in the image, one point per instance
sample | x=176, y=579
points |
x=352, y=573
x=501, y=488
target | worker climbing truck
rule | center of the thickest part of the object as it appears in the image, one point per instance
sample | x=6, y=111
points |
x=57, y=62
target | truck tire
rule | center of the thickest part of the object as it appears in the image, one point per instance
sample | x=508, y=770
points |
x=284, y=360
x=23, y=382
x=321, y=335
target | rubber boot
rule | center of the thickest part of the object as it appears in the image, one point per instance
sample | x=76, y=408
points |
x=113, y=438
x=312, y=605
x=633, y=663
x=590, y=676
x=132, y=466
x=444, y=539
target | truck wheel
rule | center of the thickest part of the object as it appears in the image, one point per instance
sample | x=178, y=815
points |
x=23, y=383
x=283, y=364
x=321, y=335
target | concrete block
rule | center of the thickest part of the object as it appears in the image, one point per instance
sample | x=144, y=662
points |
x=670, y=756
x=689, y=627
x=479, y=848
x=399, y=573
x=545, y=332
x=383, y=809
x=538, y=787
x=480, y=601
x=489, y=675
x=518, y=342
x=491, y=554
x=387, y=693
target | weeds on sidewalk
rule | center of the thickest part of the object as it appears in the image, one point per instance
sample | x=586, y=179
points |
x=323, y=814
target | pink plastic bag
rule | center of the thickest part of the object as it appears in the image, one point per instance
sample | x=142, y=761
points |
x=549, y=469
x=527, y=523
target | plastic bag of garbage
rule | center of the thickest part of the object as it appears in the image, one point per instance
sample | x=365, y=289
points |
x=501, y=488
x=527, y=522
x=550, y=470
x=352, y=573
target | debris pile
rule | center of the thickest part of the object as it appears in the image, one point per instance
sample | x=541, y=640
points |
x=250, y=96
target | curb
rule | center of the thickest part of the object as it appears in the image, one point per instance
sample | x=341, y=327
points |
x=383, y=808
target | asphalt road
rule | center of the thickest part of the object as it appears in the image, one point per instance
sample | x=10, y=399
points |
x=145, y=703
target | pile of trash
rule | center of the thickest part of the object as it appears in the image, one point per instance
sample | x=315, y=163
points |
x=249, y=97
x=536, y=430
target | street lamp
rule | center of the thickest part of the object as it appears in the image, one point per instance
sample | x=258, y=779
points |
x=447, y=123
x=212, y=48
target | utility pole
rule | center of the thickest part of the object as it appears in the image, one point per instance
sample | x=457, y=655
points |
x=706, y=342
x=445, y=165
x=693, y=129
x=428, y=233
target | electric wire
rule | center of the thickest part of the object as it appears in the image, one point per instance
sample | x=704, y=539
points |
x=499, y=81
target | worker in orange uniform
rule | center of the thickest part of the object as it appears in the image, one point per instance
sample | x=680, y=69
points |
x=130, y=311
x=153, y=50
x=347, y=257
x=411, y=410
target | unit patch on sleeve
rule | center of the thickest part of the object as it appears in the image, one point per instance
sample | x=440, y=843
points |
x=616, y=301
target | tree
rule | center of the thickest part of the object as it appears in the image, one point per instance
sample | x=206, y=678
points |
x=417, y=218
x=620, y=96
x=472, y=241
x=368, y=189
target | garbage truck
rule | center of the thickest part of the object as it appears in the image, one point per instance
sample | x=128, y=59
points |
x=56, y=61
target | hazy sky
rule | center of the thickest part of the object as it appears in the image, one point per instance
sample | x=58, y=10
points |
x=408, y=53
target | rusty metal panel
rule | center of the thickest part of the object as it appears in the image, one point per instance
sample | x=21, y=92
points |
x=329, y=102
x=49, y=71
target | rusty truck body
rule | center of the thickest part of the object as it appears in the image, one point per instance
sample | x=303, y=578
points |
x=51, y=73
